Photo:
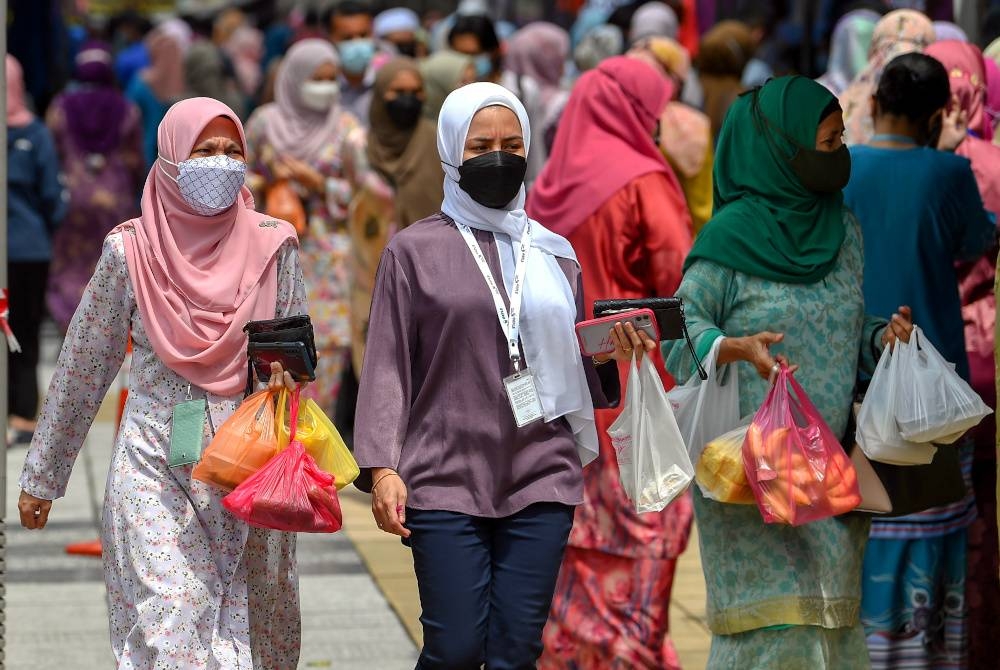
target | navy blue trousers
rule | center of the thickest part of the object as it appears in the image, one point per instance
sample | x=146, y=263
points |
x=486, y=584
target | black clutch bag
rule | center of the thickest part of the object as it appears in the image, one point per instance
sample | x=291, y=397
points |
x=287, y=330
x=669, y=313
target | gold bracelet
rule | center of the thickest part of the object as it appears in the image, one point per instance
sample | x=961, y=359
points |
x=388, y=474
x=597, y=362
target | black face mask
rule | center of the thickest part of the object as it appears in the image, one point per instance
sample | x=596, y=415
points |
x=404, y=110
x=406, y=48
x=822, y=171
x=493, y=179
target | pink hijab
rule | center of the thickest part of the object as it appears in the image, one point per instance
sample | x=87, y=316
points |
x=292, y=128
x=199, y=279
x=967, y=74
x=165, y=74
x=18, y=113
x=611, y=113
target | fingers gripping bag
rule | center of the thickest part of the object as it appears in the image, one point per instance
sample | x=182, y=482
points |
x=242, y=445
x=794, y=463
x=652, y=459
x=320, y=438
x=290, y=493
x=934, y=403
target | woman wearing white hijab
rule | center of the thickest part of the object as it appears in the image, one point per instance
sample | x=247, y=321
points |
x=482, y=491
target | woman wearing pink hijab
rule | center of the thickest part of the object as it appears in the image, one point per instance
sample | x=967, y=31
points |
x=189, y=585
x=968, y=77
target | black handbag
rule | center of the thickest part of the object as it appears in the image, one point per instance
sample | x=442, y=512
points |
x=669, y=313
x=287, y=330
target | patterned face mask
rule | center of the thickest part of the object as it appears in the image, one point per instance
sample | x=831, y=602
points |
x=209, y=185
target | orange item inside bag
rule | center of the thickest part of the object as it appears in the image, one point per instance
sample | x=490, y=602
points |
x=795, y=466
x=242, y=445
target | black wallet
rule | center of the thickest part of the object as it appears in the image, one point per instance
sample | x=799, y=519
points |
x=669, y=313
x=286, y=330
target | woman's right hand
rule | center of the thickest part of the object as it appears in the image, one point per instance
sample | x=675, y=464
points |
x=389, y=501
x=34, y=511
x=756, y=350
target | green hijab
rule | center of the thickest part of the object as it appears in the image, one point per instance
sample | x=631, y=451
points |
x=766, y=223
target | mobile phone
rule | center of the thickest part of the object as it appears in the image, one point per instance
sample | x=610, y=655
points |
x=293, y=357
x=595, y=334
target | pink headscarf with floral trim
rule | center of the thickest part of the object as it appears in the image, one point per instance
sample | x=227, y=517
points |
x=199, y=279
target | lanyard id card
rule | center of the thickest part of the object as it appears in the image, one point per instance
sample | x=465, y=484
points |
x=187, y=432
x=523, y=397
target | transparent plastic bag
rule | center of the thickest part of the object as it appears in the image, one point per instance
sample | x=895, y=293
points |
x=706, y=409
x=794, y=463
x=934, y=404
x=720, y=473
x=878, y=433
x=242, y=445
x=290, y=493
x=652, y=460
x=319, y=436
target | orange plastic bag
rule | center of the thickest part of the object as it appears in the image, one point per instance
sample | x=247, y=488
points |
x=290, y=493
x=282, y=202
x=242, y=445
x=794, y=463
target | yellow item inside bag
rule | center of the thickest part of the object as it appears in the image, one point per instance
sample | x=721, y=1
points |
x=320, y=438
x=720, y=473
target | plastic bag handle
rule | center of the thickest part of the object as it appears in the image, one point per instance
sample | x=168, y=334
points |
x=293, y=419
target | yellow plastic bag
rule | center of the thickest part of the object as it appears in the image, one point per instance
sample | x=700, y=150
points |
x=320, y=438
x=242, y=445
x=720, y=473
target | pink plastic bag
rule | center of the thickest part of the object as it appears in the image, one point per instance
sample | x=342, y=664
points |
x=290, y=493
x=795, y=465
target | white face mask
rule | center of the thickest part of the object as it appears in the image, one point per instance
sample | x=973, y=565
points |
x=320, y=96
x=209, y=185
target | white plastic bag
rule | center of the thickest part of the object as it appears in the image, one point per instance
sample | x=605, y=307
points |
x=933, y=404
x=652, y=459
x=878, y=434
x=706, y=409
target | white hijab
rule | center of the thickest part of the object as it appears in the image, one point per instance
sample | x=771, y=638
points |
x=548, y=308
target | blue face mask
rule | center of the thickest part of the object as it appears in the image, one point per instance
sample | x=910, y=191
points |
x=356, y=54
x=484, y=65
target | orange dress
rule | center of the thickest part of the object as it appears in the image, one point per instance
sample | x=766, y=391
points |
x=610, y=605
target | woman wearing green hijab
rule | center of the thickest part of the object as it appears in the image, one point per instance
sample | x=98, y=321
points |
x=777, y=271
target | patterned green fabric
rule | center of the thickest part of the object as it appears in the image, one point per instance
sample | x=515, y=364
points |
x=798, y=648
x=762, y=575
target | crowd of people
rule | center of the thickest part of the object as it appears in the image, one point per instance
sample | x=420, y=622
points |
x=386, y=172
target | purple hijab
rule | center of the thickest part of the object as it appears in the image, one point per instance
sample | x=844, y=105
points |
x=96, y=110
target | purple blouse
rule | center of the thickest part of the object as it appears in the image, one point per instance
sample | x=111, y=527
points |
x=432, y=404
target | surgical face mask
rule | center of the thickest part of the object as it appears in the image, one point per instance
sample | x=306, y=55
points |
x=356, y=54
x=404, y=110
x=209, y=185
x=319, y=96
x=822, y=171
x=493, y=179
x=484, y=65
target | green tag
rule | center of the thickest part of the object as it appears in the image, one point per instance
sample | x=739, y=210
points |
x=187, y=432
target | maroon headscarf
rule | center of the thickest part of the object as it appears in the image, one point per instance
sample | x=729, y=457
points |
x=611, y=114
x=95, y=111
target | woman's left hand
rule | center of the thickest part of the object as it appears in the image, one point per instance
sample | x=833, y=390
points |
x=280, y=378
x=899, y=328
x=629, y=343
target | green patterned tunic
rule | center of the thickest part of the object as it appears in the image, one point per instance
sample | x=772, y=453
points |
x=760, y=576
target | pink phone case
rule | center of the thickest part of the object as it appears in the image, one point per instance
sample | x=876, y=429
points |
x=595, y=334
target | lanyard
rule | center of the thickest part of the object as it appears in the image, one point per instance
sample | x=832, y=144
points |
x=510, y=322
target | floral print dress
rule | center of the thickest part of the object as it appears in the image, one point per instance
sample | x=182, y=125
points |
x=189, y=585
